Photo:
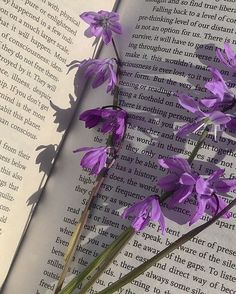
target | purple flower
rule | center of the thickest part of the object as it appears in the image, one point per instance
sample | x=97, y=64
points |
x=102, y=24
x=229, y=59
x=222, y=94
x=113, y=120
x=145, y=211
x=95, y=159
x=91, y=117
x=216, y=119
x=103, y=70
x=207, y=194
x=231, y=125
x=181, y=181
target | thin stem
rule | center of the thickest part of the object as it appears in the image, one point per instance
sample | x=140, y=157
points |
x=198, y=145
x=74, y=241
x=116, y=52
x=95, y=49
x=147, y=264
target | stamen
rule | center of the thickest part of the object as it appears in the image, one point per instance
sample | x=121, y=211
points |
x=202, y=125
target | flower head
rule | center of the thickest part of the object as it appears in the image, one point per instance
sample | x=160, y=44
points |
x=102, y=24
x=102, y=70
x=214, y=118
x=207, y=194
x=223, y=96
x=91, y=117
x=181, y=180
x=95, y=158
x=145, y=211
x=113, y=120
x=229, y=58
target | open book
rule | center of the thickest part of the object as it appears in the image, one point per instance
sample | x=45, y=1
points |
x=166, y=48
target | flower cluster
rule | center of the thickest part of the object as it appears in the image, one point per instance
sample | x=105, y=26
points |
x=216, y=105
x=113, y=121
x=183, y=182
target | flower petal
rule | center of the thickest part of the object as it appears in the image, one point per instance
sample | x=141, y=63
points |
x=219, y=118
x=188, y=103
x=180, y=195
x=202, y=187
x=189, y=128
x=176, y=164
x=225, y=186
x=187, y=179
x=169, y=182
x=201, y=206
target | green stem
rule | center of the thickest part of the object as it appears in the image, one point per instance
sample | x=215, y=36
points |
x=103, y=257
x=116, y=52
x=147, y=264
x=198, y=145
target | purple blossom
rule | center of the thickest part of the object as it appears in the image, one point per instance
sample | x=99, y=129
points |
x=102, y=70
x=145, y=211
x=216, y=119
x=102, y=24
x=207, y=194
x=181, y=181
x=223, y=96
x=91, y=117
x=95, y=158
x=113, y=120
x=231, y=125
x=229, y=58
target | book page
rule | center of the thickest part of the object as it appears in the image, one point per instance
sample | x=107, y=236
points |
x=166, y=48
x=37, y=100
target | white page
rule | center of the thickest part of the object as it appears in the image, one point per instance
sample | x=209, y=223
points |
x=202, y=266
x=38, y=39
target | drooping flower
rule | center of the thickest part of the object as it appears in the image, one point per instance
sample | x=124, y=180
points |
x=208, y=191
x=102, y=70
x=113, y=120
x=229, y=58
x=102, y=24
x=95, y=158
x=91, y=117
x=223, y=96
x=181, y=181
x=214, y=118
x=145, y=211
